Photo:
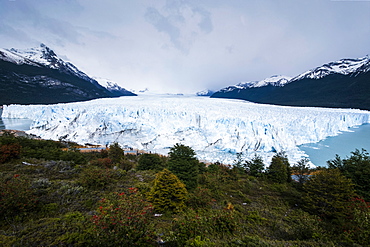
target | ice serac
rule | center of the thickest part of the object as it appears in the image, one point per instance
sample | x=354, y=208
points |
x=215, y=128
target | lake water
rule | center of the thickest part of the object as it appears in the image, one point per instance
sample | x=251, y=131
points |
x=14, y=124
x=342, y=145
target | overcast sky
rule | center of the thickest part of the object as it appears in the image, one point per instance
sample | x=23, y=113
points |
x=184, y=46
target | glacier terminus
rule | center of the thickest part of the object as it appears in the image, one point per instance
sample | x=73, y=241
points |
x=217, y=129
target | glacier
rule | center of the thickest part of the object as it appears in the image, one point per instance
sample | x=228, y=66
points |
x=217, y=129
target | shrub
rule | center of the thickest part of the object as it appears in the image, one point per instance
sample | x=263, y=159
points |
x=17, y=197
x=357, y=168
x=102, y=162
x=124, y=219
x=168, y=192
x=9, y=152
x=327, y=194
x=201, y=198
x=115, y=153
x=191, y=224
x=96, y=178
x=150, y=162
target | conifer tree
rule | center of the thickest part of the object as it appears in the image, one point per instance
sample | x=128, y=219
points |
x=357, y=168
x=327, y=194
x=115, y=153
x=150, y=162
x=302, y=170
x=255, y=166
x=184, y=165
x=279, y=170
x=168, y=192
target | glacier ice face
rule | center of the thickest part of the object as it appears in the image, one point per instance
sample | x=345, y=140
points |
x=216, y=129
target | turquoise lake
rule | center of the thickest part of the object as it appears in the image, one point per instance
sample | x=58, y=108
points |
x=343, y=145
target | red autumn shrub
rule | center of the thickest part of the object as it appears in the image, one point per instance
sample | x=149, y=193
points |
x=124, y=219
x=9, y=152
x=16, y=196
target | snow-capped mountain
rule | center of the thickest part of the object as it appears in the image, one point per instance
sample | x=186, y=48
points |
x=341, y=84
x=38, y=75
x=113, y=87
x=343, y=66
x=156, y=123
x=43, y=55
x=205, y=92
x=275, y=80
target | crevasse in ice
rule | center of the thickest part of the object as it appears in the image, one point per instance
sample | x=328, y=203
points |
x=216, y=129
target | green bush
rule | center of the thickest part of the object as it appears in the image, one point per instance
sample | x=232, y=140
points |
x=168, y=192
x=102, y=162
x=124, y=219
x=16, y=196
x=150, y=162
x=327, y=194
x=191, y=224
x=96, y=178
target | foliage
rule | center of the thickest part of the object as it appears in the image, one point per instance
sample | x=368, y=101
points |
x=124, y=219
x=358, y=228
x=255, y=166
x=96, y=178
x=16, y=196
x=184, y=165
x=150, y=162
x=102, y=162
x=327, y=194
x=357, y=168
x=115, y=153
x=9, y=152
x=227, y=208
x=279, y=170
x=201, y=198
x=301, y=170
x=168, y=192
x=191, y=224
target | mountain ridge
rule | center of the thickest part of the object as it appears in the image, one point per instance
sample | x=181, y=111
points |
x=39, y=76
x=341, y=84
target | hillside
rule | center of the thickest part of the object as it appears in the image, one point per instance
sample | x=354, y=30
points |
x=341, y=84
x=53, y=195
x=39, y=76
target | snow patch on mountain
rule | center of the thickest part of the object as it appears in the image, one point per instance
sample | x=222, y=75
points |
x=112, y=87
x=216, y=129
x=205, y=92
x=275, y=80
x=343, y=66
x=42, y=56
x=8, y=56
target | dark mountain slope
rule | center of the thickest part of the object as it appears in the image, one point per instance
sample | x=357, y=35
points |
x=341, y=84
x=38, y=76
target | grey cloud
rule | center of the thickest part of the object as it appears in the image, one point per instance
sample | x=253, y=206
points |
x=27, y=16
x=162, y=24
x=177, y=22
x=206, y=23
x=187, y=44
